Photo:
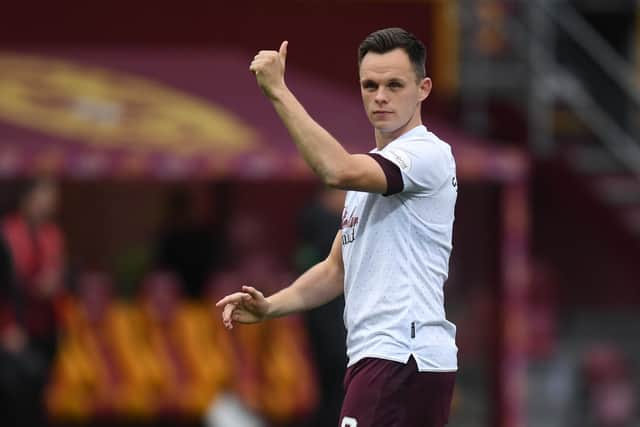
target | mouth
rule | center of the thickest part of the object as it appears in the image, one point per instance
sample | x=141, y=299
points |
x=381, y=113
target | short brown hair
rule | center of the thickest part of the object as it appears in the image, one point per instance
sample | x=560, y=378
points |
x=388, y=39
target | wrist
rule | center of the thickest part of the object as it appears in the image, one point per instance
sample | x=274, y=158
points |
x=270, y=312
x=278, y=93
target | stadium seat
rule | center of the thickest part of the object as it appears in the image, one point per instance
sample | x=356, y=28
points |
x=98, y=372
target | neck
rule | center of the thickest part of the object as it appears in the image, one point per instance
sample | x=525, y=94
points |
x=384, y=138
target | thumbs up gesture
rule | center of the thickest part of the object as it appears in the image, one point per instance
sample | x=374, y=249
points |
x=268, y=67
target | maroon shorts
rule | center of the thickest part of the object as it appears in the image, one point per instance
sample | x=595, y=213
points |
x=382, y=393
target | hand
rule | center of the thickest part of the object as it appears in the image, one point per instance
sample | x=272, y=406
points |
x=268, y=66
x=249, y=306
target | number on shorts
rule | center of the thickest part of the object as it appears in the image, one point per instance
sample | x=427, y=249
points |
x=349, y=422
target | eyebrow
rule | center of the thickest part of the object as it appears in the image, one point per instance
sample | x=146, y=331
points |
x=367, y=82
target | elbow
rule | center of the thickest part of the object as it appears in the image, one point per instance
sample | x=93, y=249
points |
x=333, y=269
x=332, y=181
x=339, y=173
x=340, y=178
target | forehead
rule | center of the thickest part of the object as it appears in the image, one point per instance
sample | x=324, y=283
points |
x=395, y=63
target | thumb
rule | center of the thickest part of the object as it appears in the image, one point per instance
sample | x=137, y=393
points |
x=283, y=51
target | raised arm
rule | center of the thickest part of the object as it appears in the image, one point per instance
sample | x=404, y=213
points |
x=320, y=284
x=322, y=152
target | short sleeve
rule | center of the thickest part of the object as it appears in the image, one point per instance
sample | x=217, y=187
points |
x=424, y=165
x=391, y=172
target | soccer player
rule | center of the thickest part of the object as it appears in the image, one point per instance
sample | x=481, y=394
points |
x=391, y=256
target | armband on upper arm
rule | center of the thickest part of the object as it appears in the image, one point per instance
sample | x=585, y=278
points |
x=392, y=172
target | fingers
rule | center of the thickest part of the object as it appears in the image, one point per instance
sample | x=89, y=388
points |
x=227, y=315
x=258, y=63
x=256, y=66
x=236, y=304
x=235, y=298
x=265, y=56
x=253, y=292
x=231, y=313
x=261, y=60
x=283, y=51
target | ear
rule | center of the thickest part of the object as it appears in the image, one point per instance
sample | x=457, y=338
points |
x=424, y=88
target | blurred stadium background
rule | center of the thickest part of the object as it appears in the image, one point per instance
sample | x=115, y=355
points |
x=176, y=182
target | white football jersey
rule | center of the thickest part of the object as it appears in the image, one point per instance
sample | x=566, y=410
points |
x=395, y=250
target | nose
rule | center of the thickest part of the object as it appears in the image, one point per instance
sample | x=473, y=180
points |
x=381, y=96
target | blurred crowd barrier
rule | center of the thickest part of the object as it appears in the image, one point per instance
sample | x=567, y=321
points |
x=162, y=356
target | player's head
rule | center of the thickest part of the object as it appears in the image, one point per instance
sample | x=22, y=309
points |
x=38, y=199
x=388, y=39
x=393, y=82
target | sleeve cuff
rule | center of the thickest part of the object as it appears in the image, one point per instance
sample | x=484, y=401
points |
x=391, y=172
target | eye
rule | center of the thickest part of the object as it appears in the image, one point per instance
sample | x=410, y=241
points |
x=369, y=85
x=395, y=85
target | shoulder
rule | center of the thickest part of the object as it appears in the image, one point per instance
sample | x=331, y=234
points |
x=12, y=225
x=420, y=148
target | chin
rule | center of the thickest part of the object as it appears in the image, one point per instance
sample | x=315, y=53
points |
x=381, y=125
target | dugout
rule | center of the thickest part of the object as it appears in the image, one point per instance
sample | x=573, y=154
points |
x=123, y=128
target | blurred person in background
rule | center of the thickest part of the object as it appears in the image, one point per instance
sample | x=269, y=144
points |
x=317, y=224
x=33, y=247
x=609, y=392
x=189, y=242
x=391, y=256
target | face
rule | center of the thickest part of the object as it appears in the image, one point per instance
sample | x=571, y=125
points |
x=391, y=92
x=42, y=201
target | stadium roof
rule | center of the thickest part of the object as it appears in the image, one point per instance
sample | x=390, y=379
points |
x=176, y=114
